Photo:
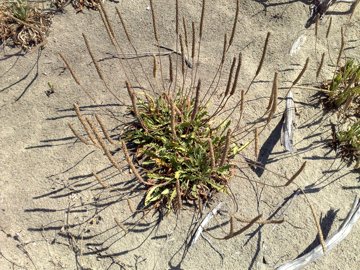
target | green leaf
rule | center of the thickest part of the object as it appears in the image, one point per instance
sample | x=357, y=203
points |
x=177, y=174
x=151, y=195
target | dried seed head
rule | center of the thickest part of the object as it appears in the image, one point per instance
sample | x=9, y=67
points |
x=154, y=66
x=224, y=49
x=274, y=94
x=196, y=103
x=320, y=65
x=171, y=76
x=296, y=174
x=132, y=166
x=263, y=54
x=135, y=109
x=185, y=34
x=154, y=20
x=97, y=67
x=102, y=9
x=103, y=145
x=77, y=135
x=177, y=17
x=236, y=75
x=193, y=40
x=120, y=225
x=301, y=72
x=230, y=76
x=242, y=104
x=100, y=181
x=202, y=19
x=123, y=24
x=256, y=135
x=235, y=23
x=85, y=125
x=329, y=27
x=103, y=128
x=70, y=69
x=182, y=55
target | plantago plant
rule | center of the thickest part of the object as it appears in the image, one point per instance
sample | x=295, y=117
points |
x=180, y=147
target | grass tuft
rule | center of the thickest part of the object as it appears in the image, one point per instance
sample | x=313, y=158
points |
x=343, y=96
x=183, y=168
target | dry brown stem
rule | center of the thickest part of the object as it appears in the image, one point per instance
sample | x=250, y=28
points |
x=318, y=227
x=226, y=148
x=77, y=135
x=107, y=25
x=100, y=181
x=103, y=145
x=262, y=222
x=296, y=174
x=75, y=78
x=134, y=105
x=69, y=68
x=120, y=225
x=132, y=166
x=234, y=25
x=85, y=125
x=172, y=107
x=97, y=67
x=103, y=128
x=252, y=222
x=320, y=65
x=131, y=208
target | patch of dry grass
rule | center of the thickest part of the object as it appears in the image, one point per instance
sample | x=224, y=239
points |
x=22, y=24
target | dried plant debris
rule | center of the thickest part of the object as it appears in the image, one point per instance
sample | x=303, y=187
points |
x=23, y=25
x=318, y=9
x=78, y=5
x=288, y=124
x=342, y=95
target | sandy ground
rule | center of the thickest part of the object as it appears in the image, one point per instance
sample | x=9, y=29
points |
x=54, y=215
